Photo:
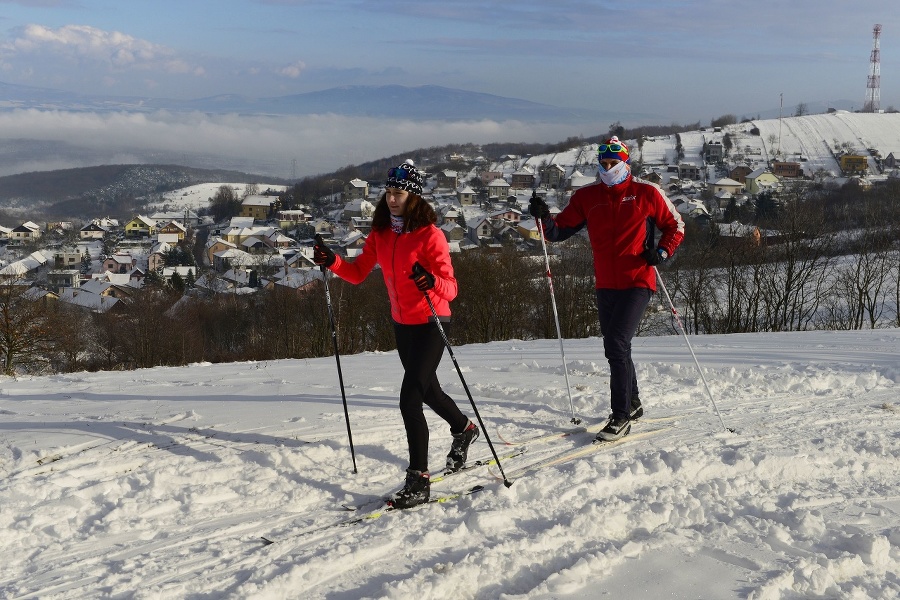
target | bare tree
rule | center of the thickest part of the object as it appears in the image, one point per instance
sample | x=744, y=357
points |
x=793, y=277
x=25, y=329
x=494, y=296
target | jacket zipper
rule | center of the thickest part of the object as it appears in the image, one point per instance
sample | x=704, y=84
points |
x=394, y=271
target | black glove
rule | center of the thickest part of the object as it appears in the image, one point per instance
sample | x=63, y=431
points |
x=538, y=208
x=322, y=254
x=654, y=256
x=422, y=278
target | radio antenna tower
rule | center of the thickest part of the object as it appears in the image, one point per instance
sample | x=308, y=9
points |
x=873, y=87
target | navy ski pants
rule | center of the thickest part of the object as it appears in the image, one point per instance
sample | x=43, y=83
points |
x=620, y=314
x=420, y=348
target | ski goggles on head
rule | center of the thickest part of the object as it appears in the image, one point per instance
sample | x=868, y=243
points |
x=398, y=173
x=612, y=148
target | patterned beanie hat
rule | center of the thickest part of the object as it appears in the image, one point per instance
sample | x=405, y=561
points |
x=406, y=177
x=613, y=149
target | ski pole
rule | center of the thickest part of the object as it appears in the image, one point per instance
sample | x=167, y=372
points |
x=337, y=356
x=696, y=362
x=418, y=269
x=562, y=350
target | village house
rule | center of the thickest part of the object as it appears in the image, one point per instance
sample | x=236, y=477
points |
x=185, y=273
x=276, y=239
x=447, y=179
x=172, y=231
x=528, y=229
x=156, y=260
x=361, y=224
x=488, y=176
x=498, y=189
x=291, y=218
x=187, y=217
x=26, y=232
x=86, y=300
x=652, y=177
x=140, y=226
x=358, y=207
x=118, y=263
x=352, y=243
x=60, y=279
x=466, y=196
x=761, y=180
x=23, y=267
x=892, y=160
x=713, y=152
x=523, y=179
x=214, y=245
x=787, y=169
x=92, y=231
x=237, y=235
x=854, y=164
x=735, y=233
x=449, y=214
x=108, y=223
x=67, y=257
x=323, y=227
x=688, y=171
x=257, y=207
x=298, y=280
x=739, y=173
x=453, y=232
x=105, y=287
x=509, y=215
x=578, y=180
x=552, y=176
x=356, y=189
x=726, y=184
x=480, y=229
x=230, y=257
x=253, y=245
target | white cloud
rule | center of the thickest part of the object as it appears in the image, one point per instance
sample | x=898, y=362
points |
x=262, y=144
x=293, y=70
x=83, y=43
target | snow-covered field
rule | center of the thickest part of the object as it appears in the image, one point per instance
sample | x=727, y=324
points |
x=198, y=196
x=159, y=483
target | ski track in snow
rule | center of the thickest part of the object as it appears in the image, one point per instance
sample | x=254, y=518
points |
x=159, y=483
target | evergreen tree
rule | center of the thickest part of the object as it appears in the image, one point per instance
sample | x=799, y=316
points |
x=177, y=283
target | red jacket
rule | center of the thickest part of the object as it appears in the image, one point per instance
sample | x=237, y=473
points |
x=621, y=222
x=396, y=254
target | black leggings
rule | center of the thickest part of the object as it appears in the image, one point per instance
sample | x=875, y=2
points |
x=420, y=348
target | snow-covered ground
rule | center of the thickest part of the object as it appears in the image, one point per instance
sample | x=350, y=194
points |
x=198, y=196
x=159, y=483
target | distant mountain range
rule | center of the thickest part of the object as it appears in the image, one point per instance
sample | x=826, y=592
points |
x=427, y=102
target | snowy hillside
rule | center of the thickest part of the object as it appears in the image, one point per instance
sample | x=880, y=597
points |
x=160, y=483
x=197, y=197
x=813, y=140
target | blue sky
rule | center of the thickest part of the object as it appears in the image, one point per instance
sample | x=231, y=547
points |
x=680, y=61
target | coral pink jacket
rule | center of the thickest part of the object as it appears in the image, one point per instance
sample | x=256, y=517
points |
x=396, y=254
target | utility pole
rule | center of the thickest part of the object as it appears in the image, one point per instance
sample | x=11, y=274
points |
x=780, y=113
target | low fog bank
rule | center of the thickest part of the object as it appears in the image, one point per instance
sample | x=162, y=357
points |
x=280, y=146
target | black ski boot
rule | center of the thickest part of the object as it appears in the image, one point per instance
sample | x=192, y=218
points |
x=637, y=410
x=459, y=449
x=616, y=428
x=416, y=491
